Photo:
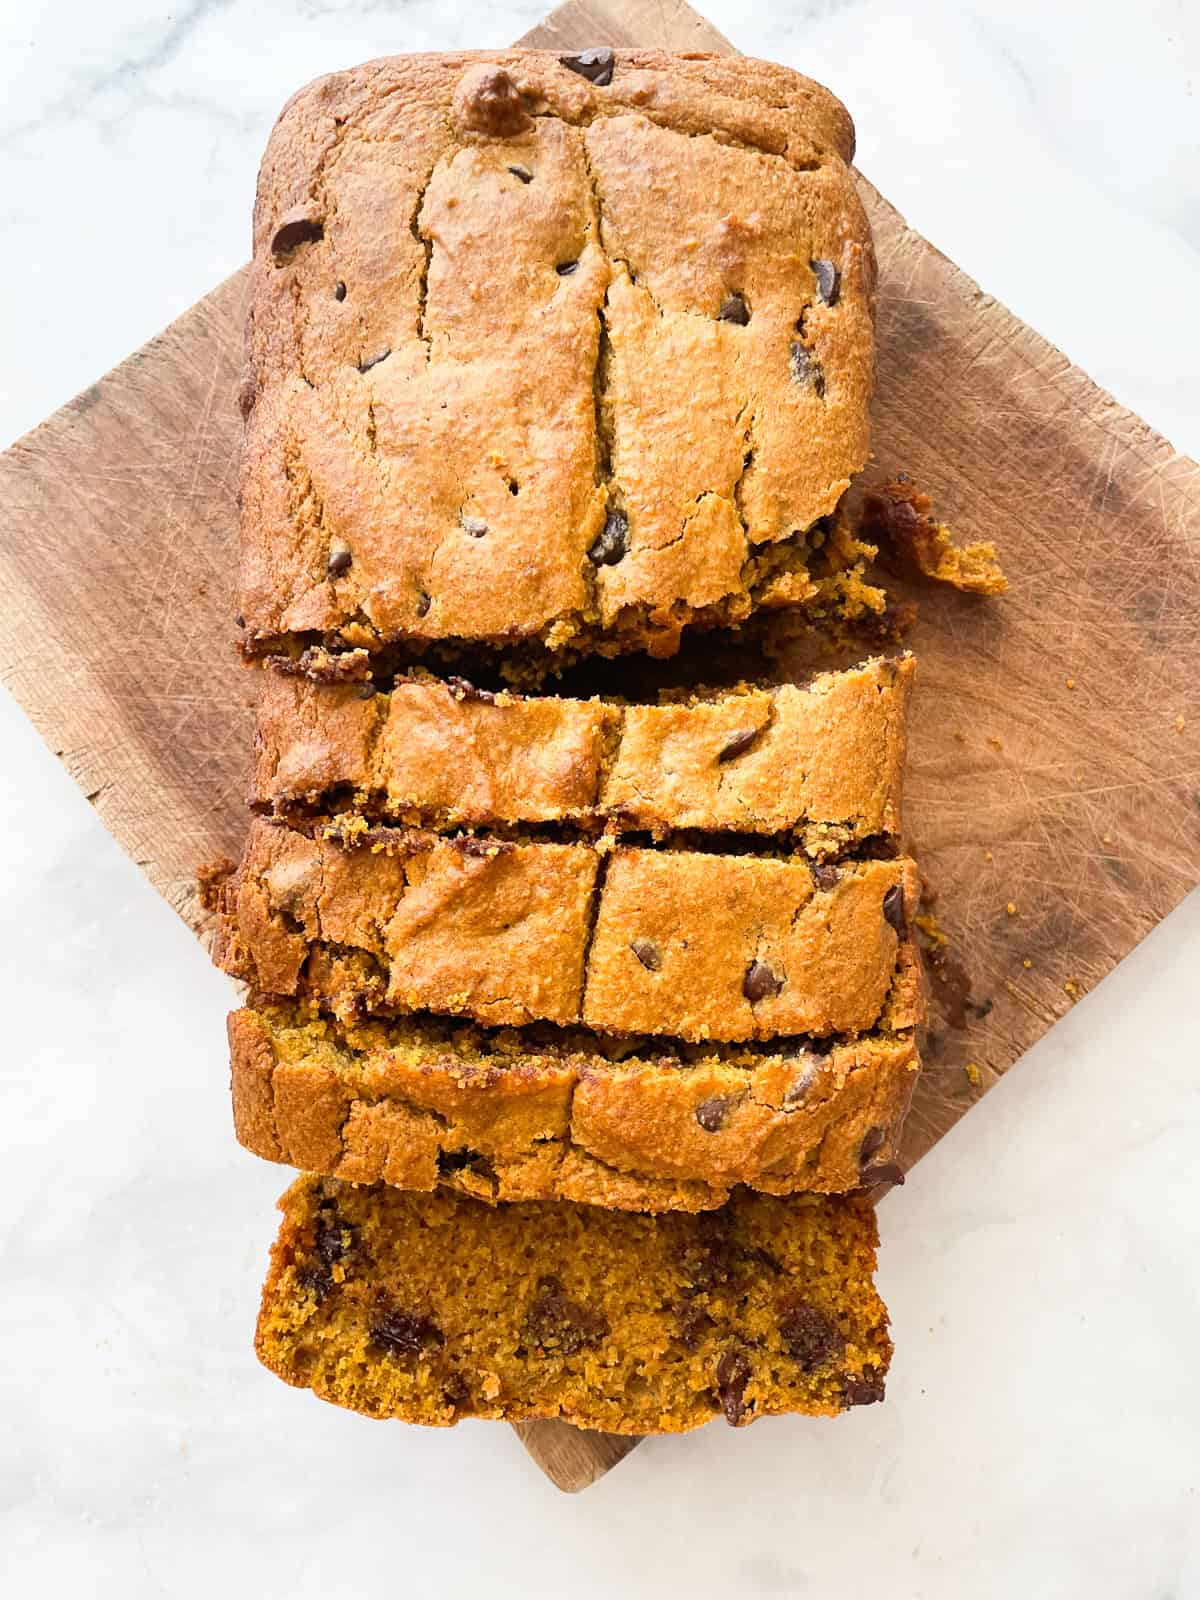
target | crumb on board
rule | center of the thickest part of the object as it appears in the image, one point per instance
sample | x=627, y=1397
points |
x=988, y=856
x=928, y=924
x=1026, y=963
x=995, y=743
x=1070, y=683
x=1011, y=908
x=896, y=517
x=1180, y=724
x=1073, y=988
x=974, y=1076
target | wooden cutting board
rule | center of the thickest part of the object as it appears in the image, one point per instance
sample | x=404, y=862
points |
x=1054, y=783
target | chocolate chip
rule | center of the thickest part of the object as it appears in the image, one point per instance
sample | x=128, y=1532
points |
x=451, y=1161
x=738, y=743
x=339, y=290
x=292, y=232
x=872, y=1140
x=462, y=689
x=594, y=65
x=893, y=909
x=402, y=1332
x=734, y=309
x=825, y=877
x=456, y=1391
x=366, y=691
x=882, y=1172
x=555, y=1321
x=239, y=621
x=711, y=1261
x=373, y=361
x=829, y=281
x=648, y=954
x=340, y=560
x=760, y=983
x=566, y=268
x=332, y=1241
x=423, y=603
x=475, y=526
x=801, y=1084
x=811, y=1338
x=711, y=1113
x=613, y=542
x=863, y=1389
x=694, y=1323
x=733, y=1374
x=806, y=369
x=523, y=173
x=481, y=849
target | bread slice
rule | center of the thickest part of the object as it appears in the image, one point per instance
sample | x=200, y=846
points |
x=543, y=1114
x=821, y=764
x=431, y=1308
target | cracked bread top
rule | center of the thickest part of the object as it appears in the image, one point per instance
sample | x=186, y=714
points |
x=537, y=358
x=824, y=761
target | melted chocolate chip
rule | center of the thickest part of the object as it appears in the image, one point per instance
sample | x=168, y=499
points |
x=594, y=65
x=332, y=1241
x=806, y=369
x=760, y=983
x=738, y=743
x=829, y=281
x=373, y=361
x=423, y=604
x=402, y=1332
x=882, y=1172
x=239, y=621
x=648, y=954
x=734, y=309
x=340, y=561
x=733, y=1374
x=555, y=1321
x=811, y=1338
x=293, y=232
x=865, y=1388
x=825, y=877
x=456, y=1391
x=694, y=1323
x=566, y=268
x=613, y=542
x=523, y=173
x=711, y=1113
x=872, y=1140
x=893, y=909
x=339, y=290
x=463, y=689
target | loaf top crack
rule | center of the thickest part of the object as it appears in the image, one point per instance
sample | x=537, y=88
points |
x=537, y=359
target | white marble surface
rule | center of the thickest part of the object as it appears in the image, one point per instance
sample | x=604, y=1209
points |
x=1042, y=1434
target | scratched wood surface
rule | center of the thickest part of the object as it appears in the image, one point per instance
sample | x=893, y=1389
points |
x=1055, y=755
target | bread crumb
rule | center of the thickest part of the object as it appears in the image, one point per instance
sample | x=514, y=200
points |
x=1072, y=988
x=1011, y=908
x=1026, y=963
x=1180, y=724
x=928, y=925
x=988, y=856
x=1070, y=683
x=995, y=744
x=974, y=1076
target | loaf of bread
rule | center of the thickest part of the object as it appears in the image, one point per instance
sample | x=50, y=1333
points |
x=431, y=1308
x=541, y=358
x=643, y=1125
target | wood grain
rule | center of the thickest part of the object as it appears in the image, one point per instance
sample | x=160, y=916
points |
x=1078, y=806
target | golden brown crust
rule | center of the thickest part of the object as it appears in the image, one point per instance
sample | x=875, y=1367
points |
x=681, y=943
x=449, y=250
x=824, y=762
x=431, y=1308
x=414, y=1105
